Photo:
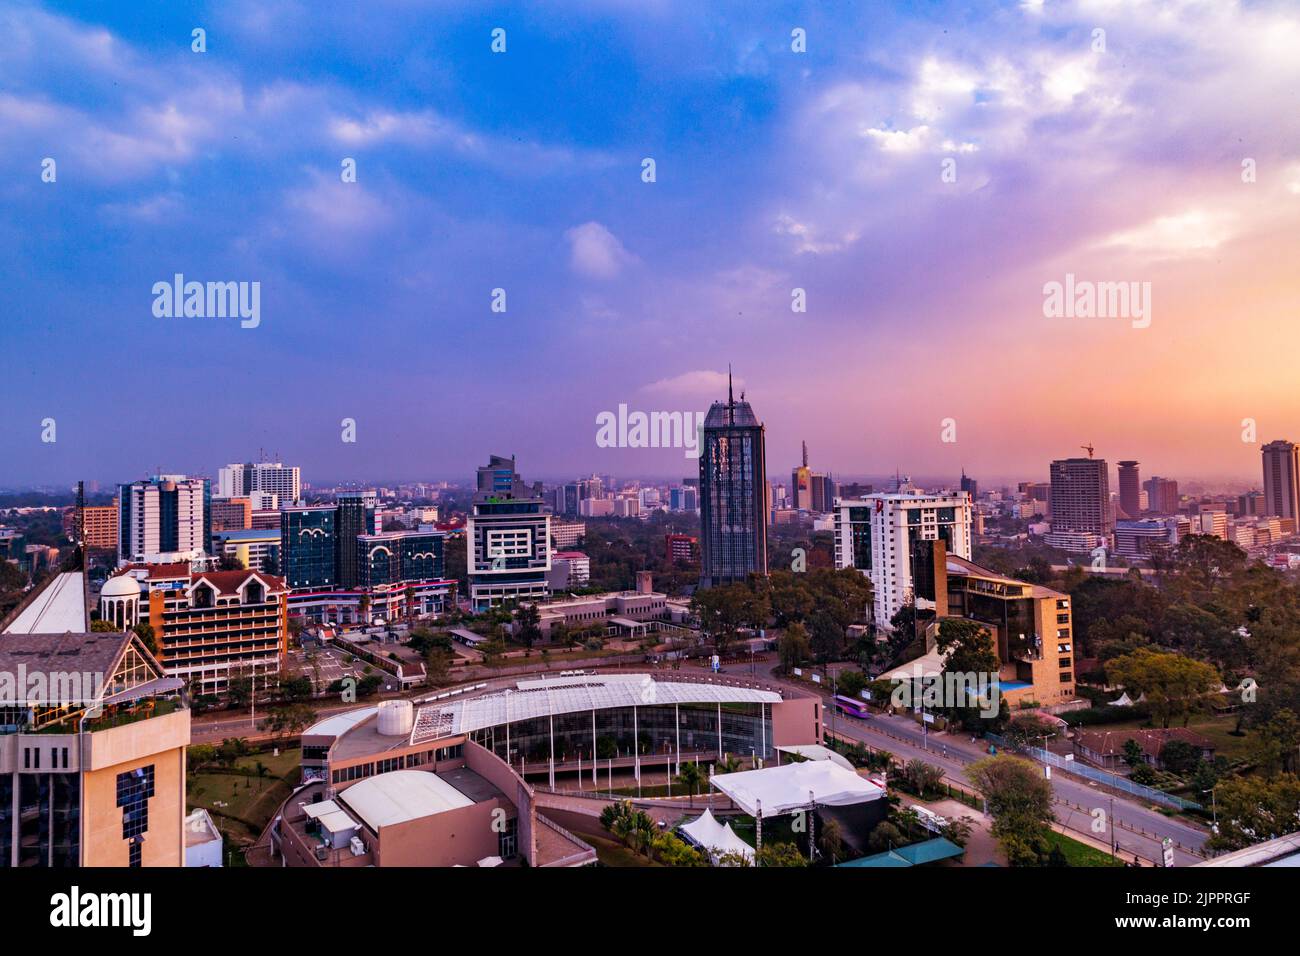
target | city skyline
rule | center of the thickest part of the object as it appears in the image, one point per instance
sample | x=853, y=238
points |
x=822, y=171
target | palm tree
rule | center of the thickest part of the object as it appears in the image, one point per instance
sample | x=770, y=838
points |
x=692, y=778
x=730, y=764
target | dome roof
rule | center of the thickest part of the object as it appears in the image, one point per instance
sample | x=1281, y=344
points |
x=121, y=585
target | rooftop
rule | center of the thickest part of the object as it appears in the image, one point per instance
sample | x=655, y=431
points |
x=568, y=695
x=60, y=606
x=401, y=796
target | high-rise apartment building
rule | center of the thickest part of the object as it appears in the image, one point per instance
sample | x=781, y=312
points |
x=1130, y=489
x=1282, y=479
x=733, y=494
x=164, y=518
x=232, y=514
x=888, y=537
x=99, y=526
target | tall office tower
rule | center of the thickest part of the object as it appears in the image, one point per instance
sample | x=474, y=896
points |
x=272, y=477
x=309, y=546
x=355, y=516
x=576, y=492
x=801, y=485
x=969, y=485
x=888, y=537
x=1162, y=495
x=733, y=493
x=1282, y=479
x=508, y=538
x=1130, y=489
x=824, y=491
x=163, y=519
x=1082, y=518
x=1251, y=503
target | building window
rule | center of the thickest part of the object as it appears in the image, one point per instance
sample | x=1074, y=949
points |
x=134, y=788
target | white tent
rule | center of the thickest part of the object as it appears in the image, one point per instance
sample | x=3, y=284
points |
x=795, y=786
x=817, y=752
x=715, y=838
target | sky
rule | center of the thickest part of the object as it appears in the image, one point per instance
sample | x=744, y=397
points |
x=921, y=171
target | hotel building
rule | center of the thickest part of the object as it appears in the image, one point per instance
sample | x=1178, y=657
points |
x=884, y=536
x=165, y=518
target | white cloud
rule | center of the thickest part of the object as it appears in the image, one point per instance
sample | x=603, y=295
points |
x=596, y=252
x=701, y=383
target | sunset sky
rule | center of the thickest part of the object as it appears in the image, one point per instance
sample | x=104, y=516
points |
x=522, y=170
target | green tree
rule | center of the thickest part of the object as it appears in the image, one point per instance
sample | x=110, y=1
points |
x=781, y=854
x=1020, y=801
x=793, y=648
x=1254, y=809
x=1174, y=685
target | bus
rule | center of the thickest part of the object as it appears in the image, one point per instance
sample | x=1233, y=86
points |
x=852, y=707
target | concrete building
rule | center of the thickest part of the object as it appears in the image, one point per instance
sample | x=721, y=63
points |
x=884, y=536
x=232, y=514
x=92, y=754
x=1162, y=496
x=567, y=534
x=683, y=548
x=1282, y=479
x=211, y=626
x=1080, y=501
x=272, y=477
x=400, y=785
x=162, y=519
x=507, y=539
x=99, y=526
x=569, y=569
x=253, y=549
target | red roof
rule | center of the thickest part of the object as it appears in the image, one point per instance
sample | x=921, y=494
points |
x=229, y=582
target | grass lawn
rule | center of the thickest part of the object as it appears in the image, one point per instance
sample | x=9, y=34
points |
x=241, y=805
x=1080, y=854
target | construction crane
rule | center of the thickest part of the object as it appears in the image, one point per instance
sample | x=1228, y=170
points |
x=1088, y=449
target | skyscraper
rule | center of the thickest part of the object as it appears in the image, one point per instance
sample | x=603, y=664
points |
x=356, y=517
x=969, y=485
x=1162, y=495
x=733, y=493
x=1130, y=488
x=1081, y=514
x=1282, y=479
x=272, y=477
x=801, y=484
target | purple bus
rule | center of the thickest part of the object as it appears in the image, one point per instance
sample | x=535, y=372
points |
x=852, y=707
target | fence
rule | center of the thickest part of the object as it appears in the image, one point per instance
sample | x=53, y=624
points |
x=1104, y=777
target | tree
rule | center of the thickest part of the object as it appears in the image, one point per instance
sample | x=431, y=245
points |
x=1174, y=685
x=884, y=837
x=781, y=854
x=827, y=636
x=1020, y=801
x=830, y=841
x=287, y=720
x=850, y=683
x=297, y=688
x=973, y=658
x=692, y=778
x=793, y=648
x=921, y=777
x=1180, y=757
x=1254, y=809
x=528, y=620
x=1278, y=741
x=97, y=626
x=722, y=613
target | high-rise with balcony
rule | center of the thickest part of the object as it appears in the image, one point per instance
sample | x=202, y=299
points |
x=508, y=538
x=1282, y=479
x=733, y=493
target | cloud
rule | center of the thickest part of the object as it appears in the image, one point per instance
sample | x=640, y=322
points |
x=701, y=383
x=1188, y=233
x=596, y=252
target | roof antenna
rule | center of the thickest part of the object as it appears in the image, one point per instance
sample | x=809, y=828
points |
x=731, y=399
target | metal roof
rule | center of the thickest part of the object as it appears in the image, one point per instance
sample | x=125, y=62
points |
x=339, y=724
x=401, y=796
x=569, y=695
x=59, y=608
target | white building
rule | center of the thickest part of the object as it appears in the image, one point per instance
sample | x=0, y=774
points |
x=203, y=844
x=162, y=520
x=271, y=477
x=880, y=535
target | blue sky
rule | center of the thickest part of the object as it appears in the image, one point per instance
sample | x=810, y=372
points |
x=521, y=170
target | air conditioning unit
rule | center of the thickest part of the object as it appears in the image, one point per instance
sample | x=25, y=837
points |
x=357, y=846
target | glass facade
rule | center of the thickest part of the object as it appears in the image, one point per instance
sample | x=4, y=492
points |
x=624, y=731
x=308, y=544
x=733, y=503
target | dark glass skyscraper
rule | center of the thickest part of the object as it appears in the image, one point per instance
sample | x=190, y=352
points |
x=733, y=494
x=355, y=517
